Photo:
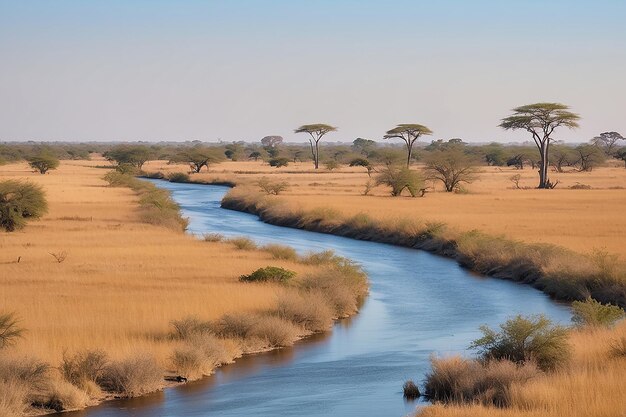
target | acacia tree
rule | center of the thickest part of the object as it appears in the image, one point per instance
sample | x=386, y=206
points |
x=135, y=155
x=43, y=163
x=197, y=157
x=608, y=142
x=409, y=133
x=452, y=167
x=19, y=202
x=540, y=120
x=316, y=131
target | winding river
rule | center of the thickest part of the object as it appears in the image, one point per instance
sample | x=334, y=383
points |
x=419, y=304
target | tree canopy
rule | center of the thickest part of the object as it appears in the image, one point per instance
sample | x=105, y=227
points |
x=316, y=131
x=409, y=133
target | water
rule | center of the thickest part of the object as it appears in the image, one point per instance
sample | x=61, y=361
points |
x=419, y=303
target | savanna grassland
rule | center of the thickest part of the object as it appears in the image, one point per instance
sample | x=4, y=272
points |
x=94, y=280
x=577, y=219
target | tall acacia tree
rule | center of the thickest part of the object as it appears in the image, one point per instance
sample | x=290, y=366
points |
x=409, y=133
x=316, y=131
x=540, y=120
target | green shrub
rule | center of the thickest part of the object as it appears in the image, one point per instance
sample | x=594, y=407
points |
x=400, y=179
x=20, y=201
x=243, y=243
x=593, y=313
x=178, y=177
x=522, y=339
x=281, y=252
x=269, y=274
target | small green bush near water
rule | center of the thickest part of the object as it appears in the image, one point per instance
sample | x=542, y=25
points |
x=269, y=274
x=593, y=313
x=522, y=339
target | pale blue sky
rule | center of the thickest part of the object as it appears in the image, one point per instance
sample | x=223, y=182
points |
x=240, y=70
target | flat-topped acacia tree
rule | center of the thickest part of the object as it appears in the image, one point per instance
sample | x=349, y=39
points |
x=316, y=131
x=409, y=133
x=541, y=119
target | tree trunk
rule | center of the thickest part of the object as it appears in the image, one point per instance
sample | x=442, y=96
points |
x=543, y=168
x=317, y=155
x=409, y=149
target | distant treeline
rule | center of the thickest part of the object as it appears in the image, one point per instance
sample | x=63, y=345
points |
x=361, y=152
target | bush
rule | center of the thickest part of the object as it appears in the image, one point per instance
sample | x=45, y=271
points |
x=243, y=243
x=133, y=376
x=20, y=201
x=199, y=356
x=410, y=390
x=277, y=332
x=281, y=252
x=43, y=163
x=269, y=187
x=279, y=162
x=190, y=326
x=9, y=329
x=308, y=310
x=213, y=237
x=84, y=369
x=330, y=165
x=62, y=396
x=178, y=177
x=13, y=396
x=523, y=339
x=269, y=274
x=336, y=292
x=459, y=380
x=593, y=313
x=400, y=179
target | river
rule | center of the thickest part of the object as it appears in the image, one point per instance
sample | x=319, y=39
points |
x=419, y=304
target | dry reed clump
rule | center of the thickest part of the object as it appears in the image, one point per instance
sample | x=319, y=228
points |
x=190, y=326
x=281, y=252
x=309, y=310
x=134, y=376
x=13, y=396
x=85, y=370
x=200, y=355
x=276, y=331
x=242, y=243
x=213, y=237
x=157, y=206
x=460, y=380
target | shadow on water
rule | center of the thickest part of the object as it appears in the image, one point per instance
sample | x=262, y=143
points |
x=419, y=304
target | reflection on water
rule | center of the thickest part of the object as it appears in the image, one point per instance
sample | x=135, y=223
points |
x=418, y=304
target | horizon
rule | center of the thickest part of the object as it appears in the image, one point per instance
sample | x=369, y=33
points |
x=155, y=71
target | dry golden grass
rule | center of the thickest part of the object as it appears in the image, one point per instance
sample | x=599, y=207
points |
x=580, y=220
x=123, y=281
x=593, y=385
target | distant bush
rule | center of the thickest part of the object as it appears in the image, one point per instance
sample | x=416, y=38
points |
x=279, y=162
x=523, y=339
x=400, y=179
x=213, y=237
x=269, y=274
x=20, y=201
x=155, y=175
x=243, y=243
x=269, y=187
x=331, y=165
x=133, y=376
x=281, y=252
x=593, y=313
x=178, y=177
x=459, y=380
x=43, y=163
x=199, y=356
x=276, y=331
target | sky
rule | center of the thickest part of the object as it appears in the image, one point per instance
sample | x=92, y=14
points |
x=154, y=70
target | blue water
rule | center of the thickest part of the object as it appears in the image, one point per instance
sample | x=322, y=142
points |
x=419, y=304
